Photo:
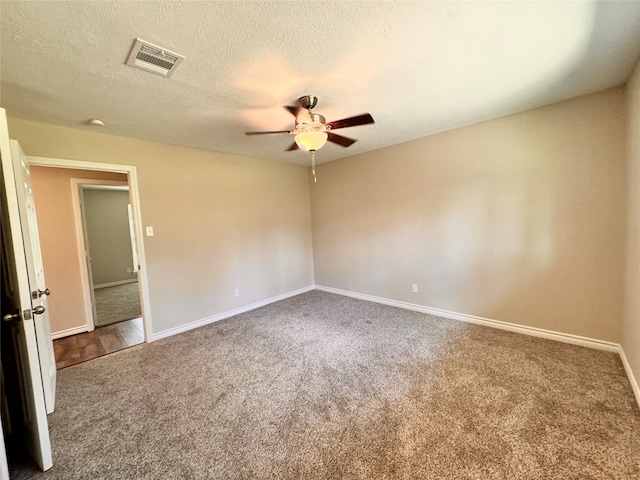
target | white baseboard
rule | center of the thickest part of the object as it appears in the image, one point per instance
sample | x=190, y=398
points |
x=230, y=313
x=533, y=331
x=114, y=284
x=487, y=322
x=632, y=378
x=536, y=332
x=69, y=331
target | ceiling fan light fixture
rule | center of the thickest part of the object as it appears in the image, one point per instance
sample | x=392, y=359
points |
x=311, y=141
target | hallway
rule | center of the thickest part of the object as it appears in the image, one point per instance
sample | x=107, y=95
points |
x=102, y=341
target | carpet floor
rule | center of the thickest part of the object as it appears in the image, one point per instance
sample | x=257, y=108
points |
x=117, y=304
x=321, y=386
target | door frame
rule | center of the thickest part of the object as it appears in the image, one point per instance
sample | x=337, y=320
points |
x=83, y=246
x=134, y=195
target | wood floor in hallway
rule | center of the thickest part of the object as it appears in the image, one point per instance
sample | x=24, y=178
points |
x=102, y=341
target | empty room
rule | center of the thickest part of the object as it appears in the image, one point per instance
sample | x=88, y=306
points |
x=358, y=239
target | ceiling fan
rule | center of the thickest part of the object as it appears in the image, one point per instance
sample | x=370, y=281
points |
x=312, y=131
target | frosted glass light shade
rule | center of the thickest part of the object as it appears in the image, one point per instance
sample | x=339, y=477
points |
x=311, y=140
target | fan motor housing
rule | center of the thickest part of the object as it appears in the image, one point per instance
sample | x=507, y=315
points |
x=306, y=122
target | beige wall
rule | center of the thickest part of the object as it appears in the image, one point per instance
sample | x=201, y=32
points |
x=631, y=326
x=107, y=222
x=221, y=221
x=56, y=226
x=519, y=219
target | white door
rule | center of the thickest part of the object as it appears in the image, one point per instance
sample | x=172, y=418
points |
x=20, y=311
x=87, y=258
x=4, y=466
x=35, y=269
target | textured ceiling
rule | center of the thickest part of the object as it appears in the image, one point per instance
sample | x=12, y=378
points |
x=417, y=67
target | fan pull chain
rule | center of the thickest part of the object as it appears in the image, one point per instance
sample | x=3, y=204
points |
x=313, y=165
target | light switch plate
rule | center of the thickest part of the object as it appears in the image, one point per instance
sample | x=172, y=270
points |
x=149, y=231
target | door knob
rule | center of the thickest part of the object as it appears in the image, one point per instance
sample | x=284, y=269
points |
x=10, y=317
x=38, y=293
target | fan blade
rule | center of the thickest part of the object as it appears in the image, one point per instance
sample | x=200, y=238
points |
x=340, y=140
x=363, y=119
x=292, y=110
x=293, y=146
x=262, y=133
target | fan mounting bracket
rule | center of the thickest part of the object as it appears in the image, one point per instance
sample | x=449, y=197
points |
x=308, y=101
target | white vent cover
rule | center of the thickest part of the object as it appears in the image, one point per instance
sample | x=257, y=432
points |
x=152, y=58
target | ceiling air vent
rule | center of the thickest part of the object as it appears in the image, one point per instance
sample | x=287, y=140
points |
x=152, y=58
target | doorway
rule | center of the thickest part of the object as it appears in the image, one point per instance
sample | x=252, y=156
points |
x=112, y=261
x=107, y=243
x=82, y=330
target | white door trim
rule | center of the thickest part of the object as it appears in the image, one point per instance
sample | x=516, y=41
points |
x=83, y=248
x=134, y=195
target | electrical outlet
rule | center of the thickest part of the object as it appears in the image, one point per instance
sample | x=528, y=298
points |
x=236, y=293
x=414, y=288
